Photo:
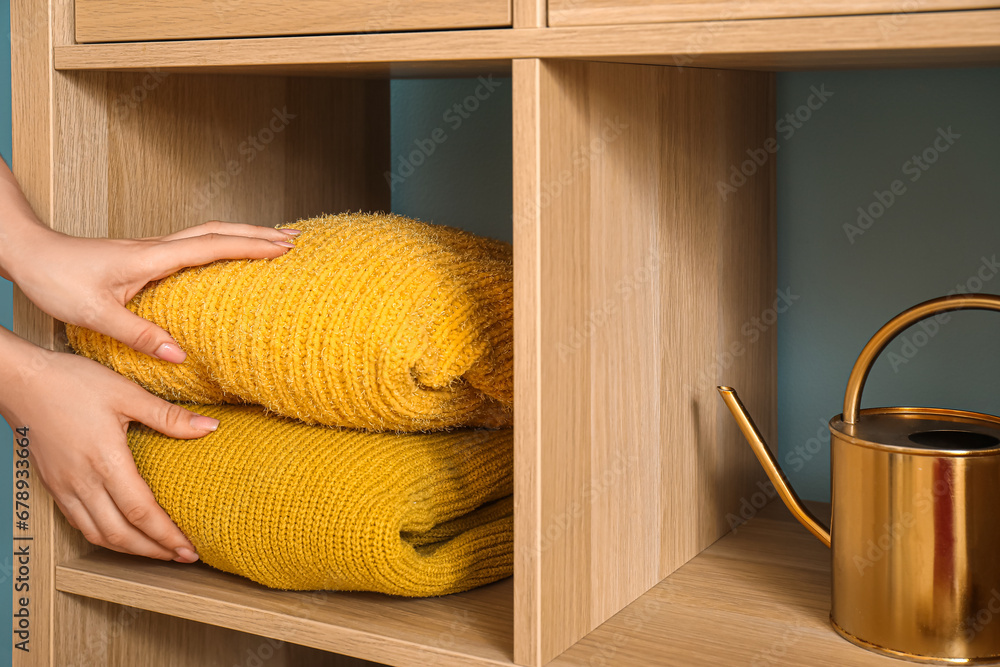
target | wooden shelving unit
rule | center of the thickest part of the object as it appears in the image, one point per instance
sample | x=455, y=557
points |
x=626, y=461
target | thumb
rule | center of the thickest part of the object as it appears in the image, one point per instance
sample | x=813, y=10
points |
x=141, y=335
x=167, y=418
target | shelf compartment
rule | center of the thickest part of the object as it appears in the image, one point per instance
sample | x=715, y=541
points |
x=930, y=38
x=472, y=628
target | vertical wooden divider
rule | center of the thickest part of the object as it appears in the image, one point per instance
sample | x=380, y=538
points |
x=637, y=271
x=529, y=13
x=525, y=84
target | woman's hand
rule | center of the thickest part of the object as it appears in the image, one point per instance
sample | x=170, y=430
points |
x=78, y=413
x=87, y=282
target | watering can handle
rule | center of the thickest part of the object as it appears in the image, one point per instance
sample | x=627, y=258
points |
x=896, y=326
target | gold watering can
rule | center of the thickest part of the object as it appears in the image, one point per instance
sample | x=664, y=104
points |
x=915, y=528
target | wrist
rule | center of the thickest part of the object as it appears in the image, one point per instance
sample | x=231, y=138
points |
x=18, y=224
x=21, y=363
x=20, y=234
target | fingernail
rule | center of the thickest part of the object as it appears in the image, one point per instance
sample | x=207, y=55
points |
x=186, y=554
x=170, y=352
x=283, y=244
x=204, y=423
x=291, y=232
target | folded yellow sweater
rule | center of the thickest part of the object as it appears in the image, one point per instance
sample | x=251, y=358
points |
x=304, y=507
x=372, y=321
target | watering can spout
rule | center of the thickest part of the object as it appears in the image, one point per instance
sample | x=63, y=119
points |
x=771, y=467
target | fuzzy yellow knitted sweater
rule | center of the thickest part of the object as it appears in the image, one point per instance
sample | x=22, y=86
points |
x=372, y=321
x=304, y=507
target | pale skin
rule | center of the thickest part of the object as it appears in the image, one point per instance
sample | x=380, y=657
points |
x=77, y=411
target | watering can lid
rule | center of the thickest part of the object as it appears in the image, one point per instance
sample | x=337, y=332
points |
x=923, y=431
x=931, y=431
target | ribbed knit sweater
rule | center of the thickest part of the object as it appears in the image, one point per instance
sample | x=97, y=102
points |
x=303, y=507
x=372, y=321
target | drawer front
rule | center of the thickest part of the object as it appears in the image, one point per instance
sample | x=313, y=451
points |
x=607, y=12
x=151, y=20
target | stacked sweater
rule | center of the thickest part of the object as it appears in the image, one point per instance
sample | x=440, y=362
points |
x=373, y=325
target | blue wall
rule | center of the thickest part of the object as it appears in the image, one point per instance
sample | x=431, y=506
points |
x=938, y=233
x=451, y=153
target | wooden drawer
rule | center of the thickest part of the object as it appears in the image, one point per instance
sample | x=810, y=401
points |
x=151, y=20
x=604, y=12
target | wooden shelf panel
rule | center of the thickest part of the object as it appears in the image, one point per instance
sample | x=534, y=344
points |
x=760, y=595
x=900, y=40
x=603, y=12
x=473, y=628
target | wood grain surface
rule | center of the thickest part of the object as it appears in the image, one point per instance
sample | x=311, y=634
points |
x=471, y=628
x=185, y=149
x=150, y=20
x=634, y=278
x=599, y=12
x=758, y=597
x=922, y=39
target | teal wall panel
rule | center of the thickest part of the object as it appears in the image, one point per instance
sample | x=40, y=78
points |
x=451, y=153
x=887, y=196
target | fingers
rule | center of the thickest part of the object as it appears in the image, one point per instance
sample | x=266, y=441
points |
x=103, y=524
x=167, y=418
x=107, y=500
x=195, y=246
x=233, y=229
x=139, y=334
x=171, y=256
x=130, y=493
x=130, y=518
x=80, y=454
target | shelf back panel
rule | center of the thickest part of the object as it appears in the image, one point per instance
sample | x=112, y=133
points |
x=185, y=149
